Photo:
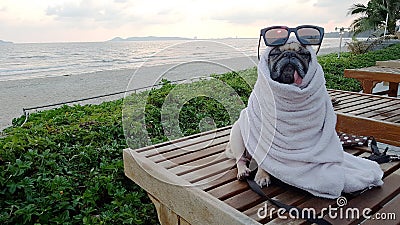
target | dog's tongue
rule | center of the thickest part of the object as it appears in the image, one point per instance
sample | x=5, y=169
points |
x=297, y=78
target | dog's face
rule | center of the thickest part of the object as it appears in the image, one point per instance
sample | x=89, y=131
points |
x=289, y=63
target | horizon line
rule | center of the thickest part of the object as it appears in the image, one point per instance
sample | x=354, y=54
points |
x=124, y=40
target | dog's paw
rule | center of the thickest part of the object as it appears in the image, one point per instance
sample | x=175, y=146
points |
x=335, y=101
x=243, y=172
x=262, y=178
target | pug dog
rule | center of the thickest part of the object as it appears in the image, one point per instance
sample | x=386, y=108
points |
x=288, y=64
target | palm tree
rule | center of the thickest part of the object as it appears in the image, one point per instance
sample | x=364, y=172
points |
x=393, y=10
x=373, y=15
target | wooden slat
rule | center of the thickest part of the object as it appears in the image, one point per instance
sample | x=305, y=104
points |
x=215, y=169
x=393, y=119
x=190, y=159
x=230, y=189
x=366, y=95
x=355, y=103
x=390, y=167
x=244, y=200
x=384, y=108
x=199, y=164
x=187, y=150
x=249, y=198
x=333, y=93
x=356, y=107
x=346, y=97
x=337, y=92
x=372, y=108
x=188, y=139
x=195, y=143
x=352, y=98
x=387, y=114
x=217, y=180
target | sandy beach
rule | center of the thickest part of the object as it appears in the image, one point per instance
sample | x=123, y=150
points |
x=18, y=94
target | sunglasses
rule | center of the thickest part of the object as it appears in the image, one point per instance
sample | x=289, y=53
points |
x=278, y=35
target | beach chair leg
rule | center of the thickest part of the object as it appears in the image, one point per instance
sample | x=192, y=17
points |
x=393, y=89
x=165, y=215
x=368, y=86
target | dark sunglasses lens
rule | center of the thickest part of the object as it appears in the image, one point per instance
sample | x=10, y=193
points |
x=276, y=36
x=309, y=36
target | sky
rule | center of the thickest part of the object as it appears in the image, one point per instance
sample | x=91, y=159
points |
x=99, y=20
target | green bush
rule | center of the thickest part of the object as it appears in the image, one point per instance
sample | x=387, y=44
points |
x=64, y=166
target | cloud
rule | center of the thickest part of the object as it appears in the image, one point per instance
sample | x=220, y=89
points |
x=85, y=10
x=342, y=5
x=330, y=3
x=275, y=16
x=241, y=16
x=108, y=14
x=289, y=13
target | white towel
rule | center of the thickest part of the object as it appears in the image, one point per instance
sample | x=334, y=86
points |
x=290, y=131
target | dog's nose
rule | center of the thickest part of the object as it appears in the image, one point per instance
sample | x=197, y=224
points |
x=289, y=54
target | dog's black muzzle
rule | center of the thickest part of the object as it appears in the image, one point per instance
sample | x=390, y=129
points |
x=286, y=65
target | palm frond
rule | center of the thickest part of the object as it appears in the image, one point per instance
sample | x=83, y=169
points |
x=357, y=9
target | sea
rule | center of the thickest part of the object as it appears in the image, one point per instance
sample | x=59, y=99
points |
x=40, y=60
